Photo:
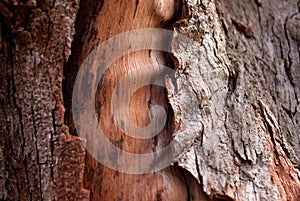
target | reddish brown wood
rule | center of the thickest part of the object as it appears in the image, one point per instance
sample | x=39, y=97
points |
x=107, y=184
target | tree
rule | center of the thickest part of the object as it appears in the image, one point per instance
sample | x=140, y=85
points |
x=233, y=104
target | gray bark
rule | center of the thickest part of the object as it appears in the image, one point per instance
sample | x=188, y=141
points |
x=242, y=84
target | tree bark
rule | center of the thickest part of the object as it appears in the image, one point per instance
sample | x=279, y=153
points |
x=251, y=143
x=233, y=104
x=40, y=160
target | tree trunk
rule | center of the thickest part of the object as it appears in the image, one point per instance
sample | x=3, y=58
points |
x=232, y=106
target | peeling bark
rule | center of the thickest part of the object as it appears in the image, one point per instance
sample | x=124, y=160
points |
x=103, y=182
x=250, y=144
x=235, y=99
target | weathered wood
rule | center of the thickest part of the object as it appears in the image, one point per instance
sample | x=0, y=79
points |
x=107, y=184
x=39, y=159
x=235, y=98
x=247, y=96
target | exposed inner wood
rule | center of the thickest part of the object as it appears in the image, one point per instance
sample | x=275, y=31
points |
x=257, y=158
x=113, y=18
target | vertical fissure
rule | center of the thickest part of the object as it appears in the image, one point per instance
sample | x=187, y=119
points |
x=85, y=18
x=186, y=186
x=11, y=86
x=27, y=178
x=52, y=144
x=136, y=6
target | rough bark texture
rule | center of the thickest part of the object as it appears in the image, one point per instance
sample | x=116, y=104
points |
x=243, y=83
x=235, y=98
x=39, y=159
